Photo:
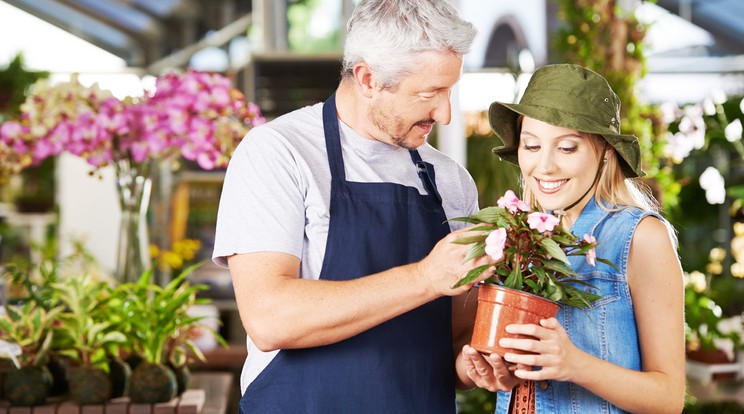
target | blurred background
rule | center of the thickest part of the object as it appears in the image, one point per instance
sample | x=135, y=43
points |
x=678, y=66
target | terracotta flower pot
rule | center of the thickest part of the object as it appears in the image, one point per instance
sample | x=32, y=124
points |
x=499, y=306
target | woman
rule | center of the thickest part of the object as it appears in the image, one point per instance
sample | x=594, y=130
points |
x=625, y=353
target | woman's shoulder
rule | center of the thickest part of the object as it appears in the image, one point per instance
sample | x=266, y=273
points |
x=632, y=213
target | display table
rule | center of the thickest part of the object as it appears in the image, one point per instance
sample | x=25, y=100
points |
x=716, y=391
x=217, y=387
x=208, y=393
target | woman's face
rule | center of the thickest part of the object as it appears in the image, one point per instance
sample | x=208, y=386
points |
x=558, y=164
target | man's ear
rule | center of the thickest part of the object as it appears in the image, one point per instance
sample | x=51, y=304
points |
x=364, y=80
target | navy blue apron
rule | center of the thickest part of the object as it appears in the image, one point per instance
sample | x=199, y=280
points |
x=405, y=365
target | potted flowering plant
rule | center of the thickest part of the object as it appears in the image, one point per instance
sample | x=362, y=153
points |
x=531, y=270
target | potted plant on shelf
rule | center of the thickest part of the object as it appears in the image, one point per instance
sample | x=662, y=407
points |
x=531, y=276
x=25, y=336
x=713, y=339
x=87, y=337
x=156, y=322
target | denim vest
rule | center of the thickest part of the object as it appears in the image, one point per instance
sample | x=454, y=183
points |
x=608, y=329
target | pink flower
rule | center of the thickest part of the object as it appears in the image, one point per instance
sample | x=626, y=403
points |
x=542, y=222
x=510, y=202
x=591, y=254
x=495, y=243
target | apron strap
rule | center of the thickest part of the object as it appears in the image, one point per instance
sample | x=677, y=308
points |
x=426, y=173
x=333, y=146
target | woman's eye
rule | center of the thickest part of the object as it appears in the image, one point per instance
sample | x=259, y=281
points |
x=531, y=147
x=567, y=150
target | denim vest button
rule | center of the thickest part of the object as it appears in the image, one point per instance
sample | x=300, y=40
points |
x=544, y=385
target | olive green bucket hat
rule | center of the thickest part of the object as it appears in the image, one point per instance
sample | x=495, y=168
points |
x=568, y=96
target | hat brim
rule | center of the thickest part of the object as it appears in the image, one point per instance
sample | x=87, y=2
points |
x=503, y=120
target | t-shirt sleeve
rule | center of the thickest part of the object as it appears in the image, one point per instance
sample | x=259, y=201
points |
x=261, y=207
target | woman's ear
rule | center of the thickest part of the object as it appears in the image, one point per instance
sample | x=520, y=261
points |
x=609, y=152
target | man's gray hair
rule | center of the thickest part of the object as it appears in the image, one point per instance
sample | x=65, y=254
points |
x=387, y=35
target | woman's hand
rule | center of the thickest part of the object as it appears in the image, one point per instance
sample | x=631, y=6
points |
x=551, y=349
x=490, y=372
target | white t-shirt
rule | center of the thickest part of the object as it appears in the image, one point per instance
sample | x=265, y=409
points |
x=277, y=190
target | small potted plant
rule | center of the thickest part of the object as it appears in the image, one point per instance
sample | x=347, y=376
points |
x=26, y=335
x=713, y=340
x=531, y=276
x=87, y=337
x=157, y=324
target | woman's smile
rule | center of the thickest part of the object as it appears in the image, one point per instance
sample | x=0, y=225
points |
x=550, y=186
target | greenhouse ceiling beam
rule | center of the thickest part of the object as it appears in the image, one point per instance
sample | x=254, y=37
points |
x=181, y=57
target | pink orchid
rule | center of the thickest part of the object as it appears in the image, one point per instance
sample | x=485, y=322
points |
x=542, y=222
x=591, y=254
x=495, y=243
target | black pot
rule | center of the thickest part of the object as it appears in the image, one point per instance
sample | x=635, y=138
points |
x=27, y=386
x=120, y=373
x=58, y=369
x=89, y=385
x=152, y=383
x=183, y=377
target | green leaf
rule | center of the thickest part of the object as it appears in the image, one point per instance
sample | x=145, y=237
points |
x=579, y=298
x=539, y=273
x=559, y=267
x=498, y=216
x=564, y=239
x=514, y=280
x=607, y=262
x=471, y=239
x=472, y=275
x=554, y=250
x=476, y=250
x=557, y=293
x=466, y=220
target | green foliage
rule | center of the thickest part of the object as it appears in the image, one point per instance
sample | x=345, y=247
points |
x=609, y=40
x=702, y=316
x=15, y=80
x=30, y=327
x=301, y=36
x=476, y=401
x=85, y=332
x=700, y=146
x=155, y=319
x=492, y=176
x=718, y=407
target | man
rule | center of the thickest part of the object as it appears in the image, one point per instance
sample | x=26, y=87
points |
x=333, y=222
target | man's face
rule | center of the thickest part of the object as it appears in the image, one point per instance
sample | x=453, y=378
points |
x=404, y=116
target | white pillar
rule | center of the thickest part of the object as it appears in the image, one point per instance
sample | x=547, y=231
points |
x=88, y=210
